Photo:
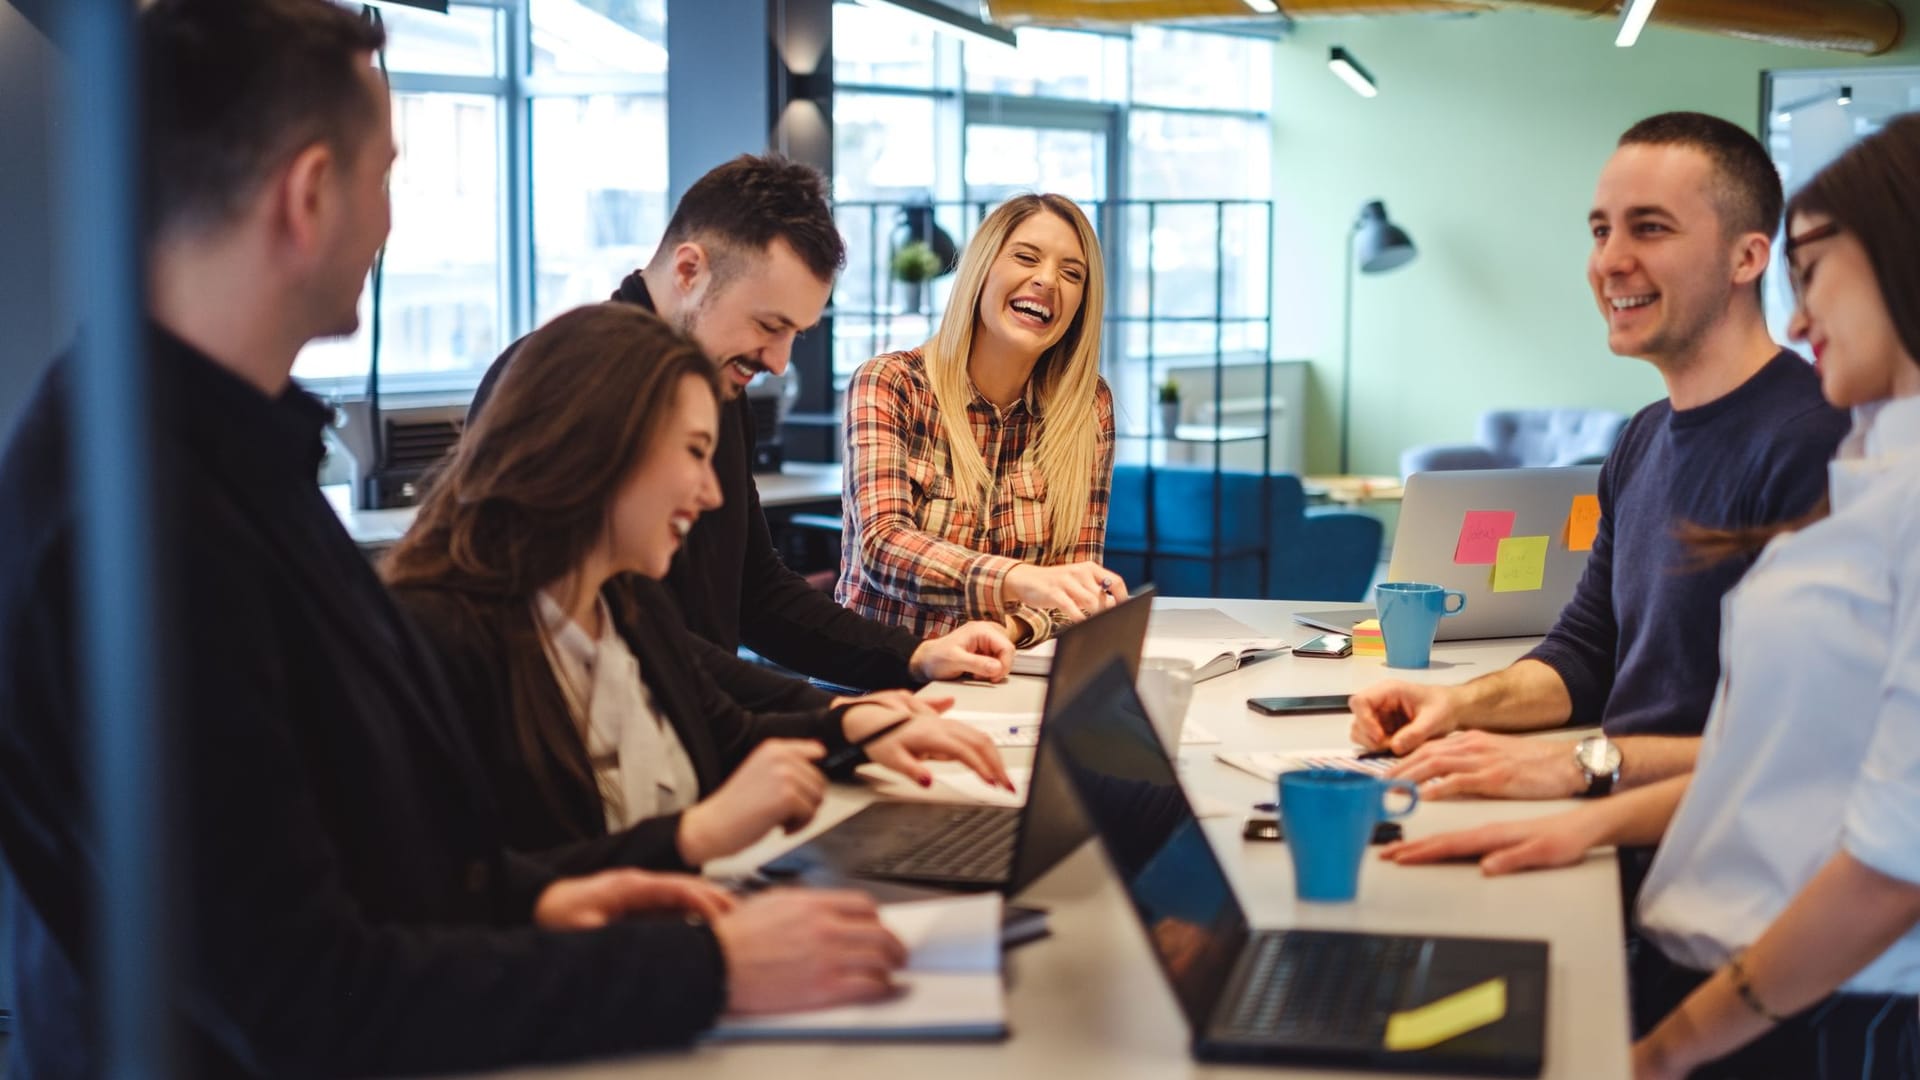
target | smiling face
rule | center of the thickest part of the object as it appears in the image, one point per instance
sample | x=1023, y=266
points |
x=669, y=488
x=1034, y=287
x=1842, y=316
x=1663, y=269
x=747, y=318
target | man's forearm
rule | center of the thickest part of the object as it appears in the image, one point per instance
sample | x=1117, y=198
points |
x=1649, y=759
x=1528, y=696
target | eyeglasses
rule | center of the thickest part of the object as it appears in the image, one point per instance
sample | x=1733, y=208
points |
x=1796, y=275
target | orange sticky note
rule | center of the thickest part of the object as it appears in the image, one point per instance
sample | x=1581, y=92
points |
x=1480, y=535
x=1521, y=564
x=1583, y=522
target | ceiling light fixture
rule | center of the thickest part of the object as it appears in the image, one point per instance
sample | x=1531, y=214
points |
x=947, y=20
x=1342, y=63
x=1633, y=19
x=1264, y=7
x=1846, y=95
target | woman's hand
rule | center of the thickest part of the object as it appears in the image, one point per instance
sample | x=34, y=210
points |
x=778, y=785
x=588, y=903
x=929, y=736
x=1076, y=589
x=1509, y=846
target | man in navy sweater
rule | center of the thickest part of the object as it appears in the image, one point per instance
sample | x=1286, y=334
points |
x=1683, y=224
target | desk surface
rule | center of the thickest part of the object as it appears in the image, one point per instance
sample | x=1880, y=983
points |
x=1089, y=1000
x=797, y=482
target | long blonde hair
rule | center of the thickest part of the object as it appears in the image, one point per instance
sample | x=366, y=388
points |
x=1067, y=377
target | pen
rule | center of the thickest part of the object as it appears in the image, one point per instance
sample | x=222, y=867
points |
x=850, y=753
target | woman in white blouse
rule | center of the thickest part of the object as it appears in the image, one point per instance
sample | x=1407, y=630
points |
x=533, y=571
x=1783, y=908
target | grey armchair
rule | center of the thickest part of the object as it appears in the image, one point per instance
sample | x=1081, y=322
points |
x=1523, y=438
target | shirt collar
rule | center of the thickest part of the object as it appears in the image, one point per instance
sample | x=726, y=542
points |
x=568, y=638
x=1884, y=434
x=233, y=417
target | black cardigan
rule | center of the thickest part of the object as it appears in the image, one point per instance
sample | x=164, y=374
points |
x=716, y=732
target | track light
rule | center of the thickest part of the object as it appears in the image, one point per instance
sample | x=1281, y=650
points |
x=1633, y=19
x=1264, y=7
x=1846, y=95
x=1342, y=63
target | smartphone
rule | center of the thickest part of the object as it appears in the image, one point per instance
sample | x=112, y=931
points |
x=1287, y=706
x=1329, y=646
x=1268, y=829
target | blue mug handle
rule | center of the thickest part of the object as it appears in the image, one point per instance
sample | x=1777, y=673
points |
x=1447, y=598
x=1412, y=791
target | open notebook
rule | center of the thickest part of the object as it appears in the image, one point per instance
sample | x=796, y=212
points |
x=950, y=988
x=1209, y=656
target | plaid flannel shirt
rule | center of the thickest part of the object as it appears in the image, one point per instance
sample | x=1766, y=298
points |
x=911, y=555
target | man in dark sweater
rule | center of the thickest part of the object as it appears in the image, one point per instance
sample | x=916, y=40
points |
x=347, y=906
x=747, y=264
x=1682, y=226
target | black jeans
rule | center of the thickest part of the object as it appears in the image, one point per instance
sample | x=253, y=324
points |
x=1846, y=1036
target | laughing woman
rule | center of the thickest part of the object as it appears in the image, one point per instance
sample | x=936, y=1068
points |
x=980, y=464
x=533, y=569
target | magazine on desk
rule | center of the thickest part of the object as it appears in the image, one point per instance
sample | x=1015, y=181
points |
x=1209, y=656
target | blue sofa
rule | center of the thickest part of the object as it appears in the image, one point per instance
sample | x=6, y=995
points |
x=1524, y=438
x=1319, y=553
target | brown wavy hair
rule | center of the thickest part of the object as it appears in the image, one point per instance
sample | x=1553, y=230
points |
x=527, y=492
x=1869, y=193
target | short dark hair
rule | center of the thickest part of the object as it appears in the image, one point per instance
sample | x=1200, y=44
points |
x=1746, y=188
x=752, y=201
x=1869, y=192
x=235, y=87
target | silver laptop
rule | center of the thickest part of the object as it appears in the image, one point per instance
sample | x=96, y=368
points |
x=1432, y=516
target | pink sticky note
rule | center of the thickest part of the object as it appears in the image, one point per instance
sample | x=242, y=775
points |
x=1480, y=536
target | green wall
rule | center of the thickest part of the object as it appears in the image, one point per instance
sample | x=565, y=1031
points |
x=1485, y=142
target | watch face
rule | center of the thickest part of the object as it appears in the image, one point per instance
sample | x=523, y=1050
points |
x=1599, y=756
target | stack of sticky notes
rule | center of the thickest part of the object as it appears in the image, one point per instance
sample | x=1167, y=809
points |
x=1367, y=640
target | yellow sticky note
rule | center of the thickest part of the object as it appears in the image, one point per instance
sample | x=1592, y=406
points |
x=1456, y=1014
x=1583, y=522
x=1521, y=564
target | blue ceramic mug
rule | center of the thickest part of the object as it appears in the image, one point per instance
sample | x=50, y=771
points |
x=1329, y=816
x=1410, y=613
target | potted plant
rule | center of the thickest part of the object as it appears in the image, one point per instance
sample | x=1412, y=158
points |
x=1169, y=405
x=915, y=264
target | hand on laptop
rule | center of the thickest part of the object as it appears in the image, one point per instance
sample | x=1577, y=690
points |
x=1401, y=716
x=794, y=949
x=594, y=901
x=930, y=737
x=1493, y=766
x=777, y=786
x=978, y=649
x=1509, y=846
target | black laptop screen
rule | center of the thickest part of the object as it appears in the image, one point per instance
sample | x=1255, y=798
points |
x=1134, y=801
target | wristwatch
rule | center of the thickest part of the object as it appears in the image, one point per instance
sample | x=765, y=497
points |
x=1599, y=759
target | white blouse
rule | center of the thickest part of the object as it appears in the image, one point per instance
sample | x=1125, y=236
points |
x=642, y=768
x=1813, y=744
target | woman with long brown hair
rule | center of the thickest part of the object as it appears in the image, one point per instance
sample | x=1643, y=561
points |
x=980, y=464
x=534, y=570
x=1781, y=916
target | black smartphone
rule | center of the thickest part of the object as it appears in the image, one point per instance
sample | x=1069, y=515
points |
x=1268, y=829
x=1287, y=706
x=1328, y=646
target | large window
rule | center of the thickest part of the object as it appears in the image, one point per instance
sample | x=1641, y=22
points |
x=1171, y=116
x=481, y=250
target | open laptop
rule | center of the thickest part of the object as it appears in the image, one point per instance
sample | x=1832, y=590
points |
x=1294, y=996
x=1432, y=515
x=985, y=847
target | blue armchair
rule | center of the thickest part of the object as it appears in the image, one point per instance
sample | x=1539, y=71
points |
x=1322, y=553
x=1524, y=438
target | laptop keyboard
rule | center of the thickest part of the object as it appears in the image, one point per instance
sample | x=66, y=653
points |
x=971, y=844
x=1324, y=989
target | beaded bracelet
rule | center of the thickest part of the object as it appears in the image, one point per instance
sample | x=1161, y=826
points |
x=1737, y=974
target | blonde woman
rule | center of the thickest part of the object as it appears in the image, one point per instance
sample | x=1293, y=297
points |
x=979, y=465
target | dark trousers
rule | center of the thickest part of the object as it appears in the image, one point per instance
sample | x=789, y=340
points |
x=1846, y=1036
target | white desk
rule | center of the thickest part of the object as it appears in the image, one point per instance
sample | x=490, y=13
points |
x=1089, y=1001
x=796, y=483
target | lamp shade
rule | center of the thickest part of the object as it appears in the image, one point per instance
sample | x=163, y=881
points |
x=1378, y=244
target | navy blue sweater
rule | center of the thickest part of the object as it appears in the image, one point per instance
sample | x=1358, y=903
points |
x=1639, y=644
